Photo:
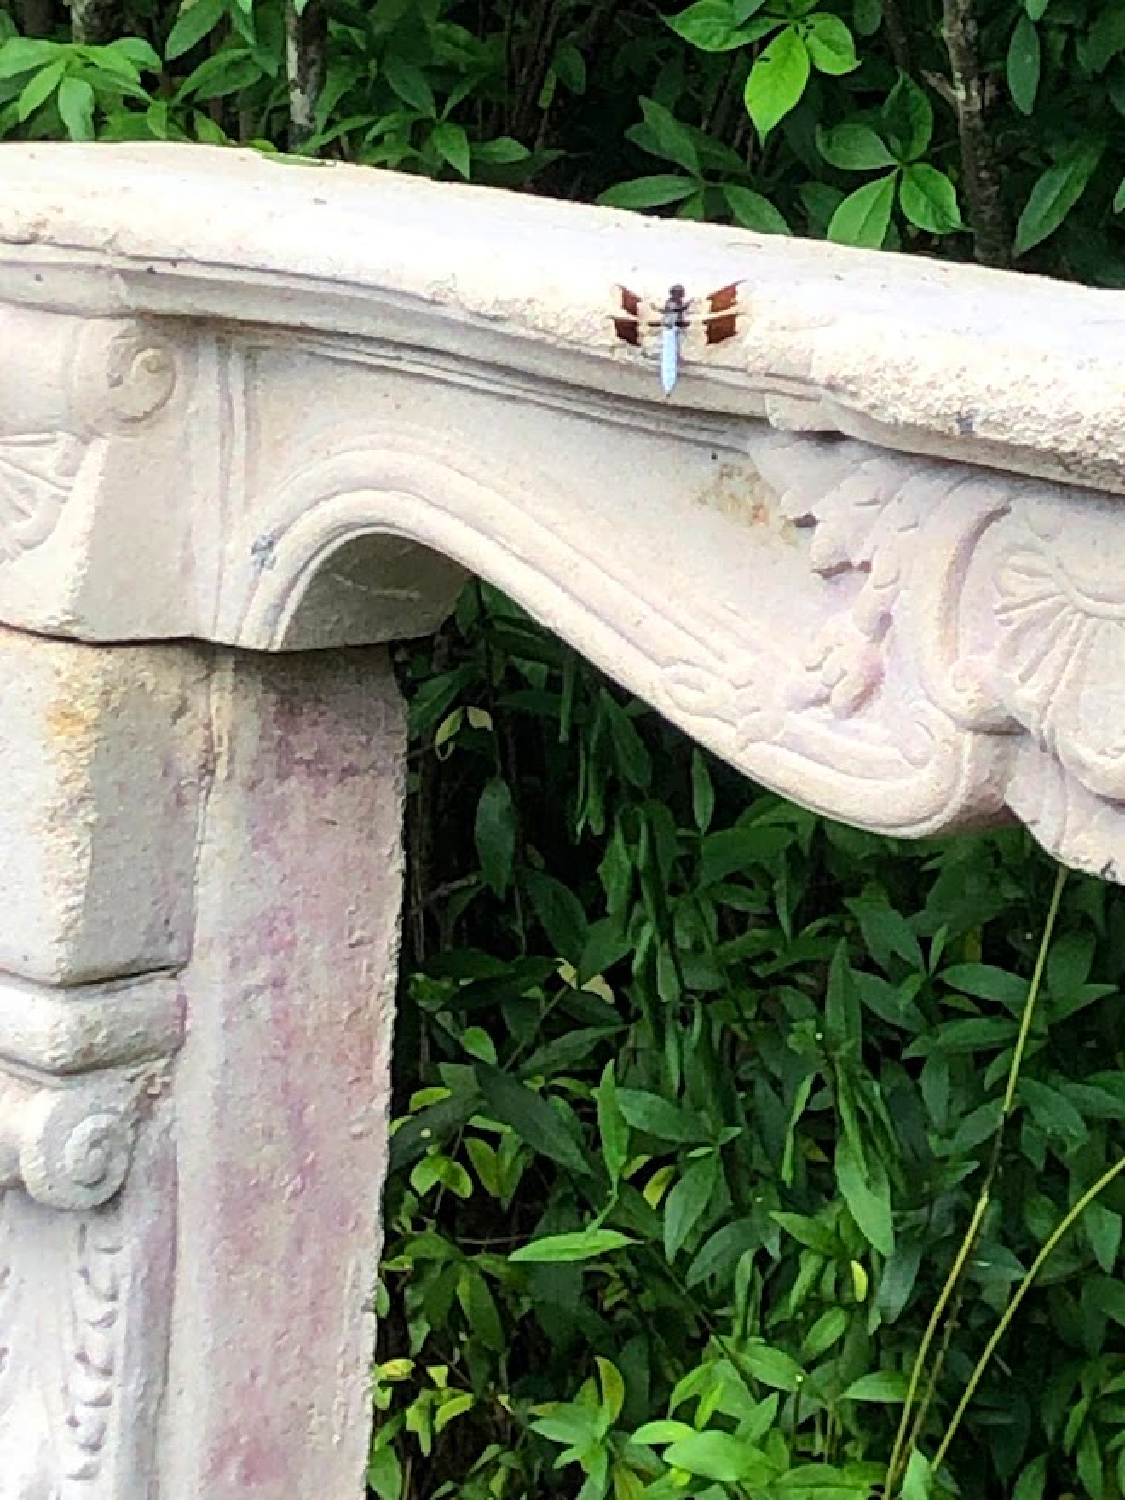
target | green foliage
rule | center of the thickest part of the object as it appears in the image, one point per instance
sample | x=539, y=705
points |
x=748, y=1084
x=763, y=113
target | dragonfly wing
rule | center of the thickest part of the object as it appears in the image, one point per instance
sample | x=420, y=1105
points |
x=627, y=324
x=721, y=318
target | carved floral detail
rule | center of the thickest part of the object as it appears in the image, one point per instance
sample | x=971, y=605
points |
x=1061, y=616
x=37, y=473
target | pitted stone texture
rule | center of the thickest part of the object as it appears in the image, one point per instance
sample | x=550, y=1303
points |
x=282, y=1086
x=97, y=806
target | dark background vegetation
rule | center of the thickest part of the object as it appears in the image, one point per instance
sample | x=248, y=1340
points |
x=734, y=1149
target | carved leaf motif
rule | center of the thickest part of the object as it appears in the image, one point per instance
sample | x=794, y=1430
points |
x=96, y=1331
x=37, y=473
x=864, y=513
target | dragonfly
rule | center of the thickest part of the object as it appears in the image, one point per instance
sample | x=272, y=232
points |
x=673, y=319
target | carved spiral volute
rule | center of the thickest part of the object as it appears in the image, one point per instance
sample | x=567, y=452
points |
x=69, y=1146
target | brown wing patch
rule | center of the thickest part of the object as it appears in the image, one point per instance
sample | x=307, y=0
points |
x=629, y=327
x=722, y=327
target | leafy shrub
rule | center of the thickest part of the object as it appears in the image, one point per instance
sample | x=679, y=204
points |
x=700, y=1095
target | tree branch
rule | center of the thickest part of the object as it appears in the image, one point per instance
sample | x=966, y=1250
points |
x=306, y=45
x=979, y=164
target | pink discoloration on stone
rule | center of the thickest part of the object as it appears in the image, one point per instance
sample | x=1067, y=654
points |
x=283, y=1080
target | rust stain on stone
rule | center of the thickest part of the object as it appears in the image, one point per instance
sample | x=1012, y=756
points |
x=739, y=492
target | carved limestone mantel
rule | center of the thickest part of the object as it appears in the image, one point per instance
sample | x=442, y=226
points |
x=257, y=418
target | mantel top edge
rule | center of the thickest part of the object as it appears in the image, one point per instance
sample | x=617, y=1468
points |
x=989, y=366
x=177, y=201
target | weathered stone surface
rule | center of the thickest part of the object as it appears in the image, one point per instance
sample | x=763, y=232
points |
x=869, y=552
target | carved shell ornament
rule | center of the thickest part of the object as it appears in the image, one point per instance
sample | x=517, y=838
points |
x=1060, y=612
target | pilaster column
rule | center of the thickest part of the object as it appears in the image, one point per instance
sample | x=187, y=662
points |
x=198, y=916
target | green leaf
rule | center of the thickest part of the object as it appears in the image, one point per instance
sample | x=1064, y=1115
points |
x=384, y=1474
x=1055, y=194
x=193, y=22
x=929, y=199
x=868, y=1196
x=777, y=80
x=752, y=211
x=663, y=135
x=720, y=1252
x=811, y=1232
x=451, y=143
x=1036, y=9
x=530, y=1116
x=853, y=148
x=1023, y=64
x=39, y=88
x=559, y=911
x=822, y=1482
x=495, y=834
x=612, y=1126
x=702, y=792
x=712, y=25
x=917, y=1481
x=827, y=1330
x=501, y=151
x=76, y=108
x=410, y=84
x=719, y=1456
x=648, y=192
x=663, y=1430
x=843, y=1018
x=23, y=54
x=1104, y=40
x=773, y=1367
x=570, y=67
x=479, y=1307
x=227, y=72
x=564, y=1249
x=886, y=932
x=865, y=215
x=867, y=16
x=887, y=1387
x=1053, y=1112
x=908, y=119
x=1103, y=1230
x=660, y=1117
x=1032, y=1483
x=634, y=764
x=987, y=982
x=830, y=45
x=687, y=1203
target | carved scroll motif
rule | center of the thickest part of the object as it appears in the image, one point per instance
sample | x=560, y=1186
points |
x=84, y=382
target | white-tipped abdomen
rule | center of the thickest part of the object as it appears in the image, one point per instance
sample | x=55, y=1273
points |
x=669, y=358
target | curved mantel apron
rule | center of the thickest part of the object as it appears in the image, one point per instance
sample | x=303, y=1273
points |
x=251, y=406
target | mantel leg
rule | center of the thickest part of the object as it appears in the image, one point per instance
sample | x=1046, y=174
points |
x=199, y=904
x=282, y=1086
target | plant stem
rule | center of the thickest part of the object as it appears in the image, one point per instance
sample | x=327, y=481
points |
x=1067, y=1221
x=900, y=1452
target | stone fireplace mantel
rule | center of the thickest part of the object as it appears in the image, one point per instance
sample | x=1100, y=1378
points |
x=259, y=417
